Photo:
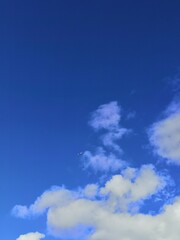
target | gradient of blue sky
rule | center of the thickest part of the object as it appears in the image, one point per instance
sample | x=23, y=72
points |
x=60, y=60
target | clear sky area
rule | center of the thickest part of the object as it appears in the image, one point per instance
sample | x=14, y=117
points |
x=90, y=120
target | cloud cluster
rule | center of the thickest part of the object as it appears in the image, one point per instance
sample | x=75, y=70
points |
x=164, y=135
x=31, y=236
x=105, y=224
x=112, y=210
x=88, y=211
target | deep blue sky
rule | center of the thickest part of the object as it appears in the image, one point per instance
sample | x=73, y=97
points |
x=59, y=60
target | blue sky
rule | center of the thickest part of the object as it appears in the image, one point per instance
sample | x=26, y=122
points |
x=89, y=101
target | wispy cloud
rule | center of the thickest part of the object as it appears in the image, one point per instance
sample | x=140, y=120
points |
x=109, y=139
x=102, y=161
x=107, y=117
x=131, y=115
x=176, y=81
x=31, y=236
x=106, y=120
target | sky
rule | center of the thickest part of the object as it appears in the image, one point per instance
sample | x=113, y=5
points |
x=89, y=120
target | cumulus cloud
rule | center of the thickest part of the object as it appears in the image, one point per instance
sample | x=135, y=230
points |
x=108, y=225
x=93, y=210
x=123, y=190
x=91, y=191
x=31, y=236
x=164, y=135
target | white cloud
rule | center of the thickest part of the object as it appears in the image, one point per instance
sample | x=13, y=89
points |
x=55, y=196
x=129, y=173
x=91, y=190
x=31, y=236
x=110, y=225
x=102, y=161
x=164, y=135
x=142, y=184
x=164, y=226
x=102, y=212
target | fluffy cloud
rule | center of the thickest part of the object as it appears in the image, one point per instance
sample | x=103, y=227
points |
x=101, y=212
x=91, y=190
x=31, y=236
x=108, y=225
x=165, y=134
x=123, y=190
x=164, y=226
x=57, y=195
